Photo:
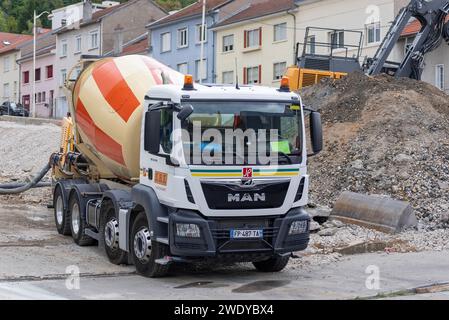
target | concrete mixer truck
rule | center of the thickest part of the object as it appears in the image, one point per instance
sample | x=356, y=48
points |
x=159, y=170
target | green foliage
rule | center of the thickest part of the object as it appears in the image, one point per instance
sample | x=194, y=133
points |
x=17, y=15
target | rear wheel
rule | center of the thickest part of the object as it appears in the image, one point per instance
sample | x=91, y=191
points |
x=109, y=236
x=274, y=264
x=62, y=218
x=145, y=252
x=77, y=223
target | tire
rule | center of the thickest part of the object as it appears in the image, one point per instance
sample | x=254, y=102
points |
x=273, y=264
x=145, y=252
x=109, y=236
x=78, y=224
x=62, y=218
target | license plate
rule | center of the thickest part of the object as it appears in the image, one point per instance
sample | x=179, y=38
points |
x=246, y=234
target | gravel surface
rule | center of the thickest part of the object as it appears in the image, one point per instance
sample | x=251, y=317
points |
x=24, y=150
x=383, y=136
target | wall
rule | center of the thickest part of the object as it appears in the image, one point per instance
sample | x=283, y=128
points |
x=44, y=109
x=185, y=55
x=12, y=77
x=269, y=53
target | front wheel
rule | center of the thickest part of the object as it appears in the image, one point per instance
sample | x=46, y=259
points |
x=274, y=264
x=145, y=252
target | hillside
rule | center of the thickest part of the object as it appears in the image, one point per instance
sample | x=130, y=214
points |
x=17, y=15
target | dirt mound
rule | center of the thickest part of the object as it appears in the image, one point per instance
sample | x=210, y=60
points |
x=383, y=136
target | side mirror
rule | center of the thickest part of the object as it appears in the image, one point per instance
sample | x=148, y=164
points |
x=185, y=112
x=316, y=132
x=152, y=139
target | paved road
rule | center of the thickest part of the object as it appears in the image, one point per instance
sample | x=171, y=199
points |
x=36, y=263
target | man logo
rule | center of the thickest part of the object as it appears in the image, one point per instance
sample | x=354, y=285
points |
x=257, y=197
x=247, y=173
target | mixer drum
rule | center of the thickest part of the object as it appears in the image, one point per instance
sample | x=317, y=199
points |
x=108, y=99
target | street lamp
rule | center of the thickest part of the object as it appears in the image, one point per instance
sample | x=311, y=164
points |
x=33, y=72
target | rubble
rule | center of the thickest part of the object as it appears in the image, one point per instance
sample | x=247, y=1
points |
x=383, y=136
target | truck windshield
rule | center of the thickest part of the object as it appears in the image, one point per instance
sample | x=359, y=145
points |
x=243, y=133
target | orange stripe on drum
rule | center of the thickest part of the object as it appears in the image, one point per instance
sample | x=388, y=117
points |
x=102, y=142
x=115, y=89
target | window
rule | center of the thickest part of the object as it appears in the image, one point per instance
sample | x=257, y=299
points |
x=78, y=44
x=228, y=77
x=166, y=42
x=200, y=35
x=280, y=32
x=63, y=48
x=197, y=70
x=37, y=74
x=15, y=62
x=183, y=68
x=279, y=70
x=337, y=39
x=6, y=91
x=253, y=38
x=228, y=43
x=252, y=75
x=311, y=45
x=63, y=77
x=39, y=97
x=49, y=72
x=439, y=76
x=373, y=33
x=183, y=38
x=166, y=130
x=93, y=42
x=6, y=64
x=408, y=44
x=26, y=77
x=44, y=96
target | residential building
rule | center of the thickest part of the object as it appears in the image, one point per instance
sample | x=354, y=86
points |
x=9, y=70
x=176, y=40
x=97, y=34
x=257, y=43
x=44, y=75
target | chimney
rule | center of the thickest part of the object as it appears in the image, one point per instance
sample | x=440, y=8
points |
x=87, y=10
x=118, y=40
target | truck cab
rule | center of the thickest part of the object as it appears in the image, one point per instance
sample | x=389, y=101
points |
x=227, y=168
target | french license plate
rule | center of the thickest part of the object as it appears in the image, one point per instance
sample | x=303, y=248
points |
x=246, y=234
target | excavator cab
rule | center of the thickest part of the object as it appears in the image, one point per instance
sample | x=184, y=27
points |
x=325, y=53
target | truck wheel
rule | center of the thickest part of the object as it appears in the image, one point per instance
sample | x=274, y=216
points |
x=109, y=236
x=145, y=252
x=77, y=223
x=62, y=219
x=274, y=264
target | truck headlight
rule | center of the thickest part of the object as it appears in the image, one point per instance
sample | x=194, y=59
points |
x=299, y=227
x=188, y=230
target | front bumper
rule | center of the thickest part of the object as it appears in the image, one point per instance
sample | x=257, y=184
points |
x=215, y=237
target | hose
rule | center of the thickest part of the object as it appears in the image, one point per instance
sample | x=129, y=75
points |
x=21, y=184
x=24, y=187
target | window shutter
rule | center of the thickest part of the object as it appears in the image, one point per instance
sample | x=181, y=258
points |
x=260, y=36
x=260, y=74
x=245, y=40
x=245, y=80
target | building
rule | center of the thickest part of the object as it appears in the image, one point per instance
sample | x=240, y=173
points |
x=176, y=39
x=9, y=70
x=257, y=42
x=46, y=83
x=99, y=33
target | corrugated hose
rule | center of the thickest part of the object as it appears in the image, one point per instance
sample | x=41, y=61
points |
x=16, y=188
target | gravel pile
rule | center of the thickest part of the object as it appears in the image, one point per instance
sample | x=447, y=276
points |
x=383, y=136
x=24, y=150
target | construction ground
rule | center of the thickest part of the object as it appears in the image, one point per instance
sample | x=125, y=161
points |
x=381, y=137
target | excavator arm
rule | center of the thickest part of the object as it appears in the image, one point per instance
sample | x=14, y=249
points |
x=432, y=16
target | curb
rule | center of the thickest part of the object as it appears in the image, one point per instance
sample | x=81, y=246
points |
x=32, y=121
